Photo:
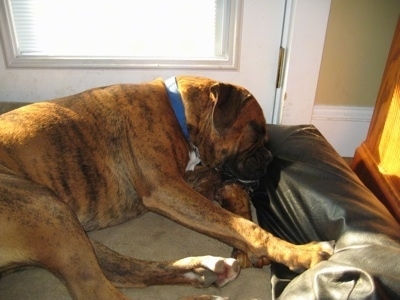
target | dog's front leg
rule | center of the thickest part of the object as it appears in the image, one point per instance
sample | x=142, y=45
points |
x=235, y=198
x=230, y=194
x=177, y=201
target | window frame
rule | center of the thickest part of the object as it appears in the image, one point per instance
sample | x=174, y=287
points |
x=229, y=41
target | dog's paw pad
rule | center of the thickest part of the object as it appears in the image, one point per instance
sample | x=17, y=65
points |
x=231, y=271
x=227, y=269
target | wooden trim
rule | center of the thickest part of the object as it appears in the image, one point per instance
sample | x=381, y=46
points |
x=377, y=161
x=366, y=167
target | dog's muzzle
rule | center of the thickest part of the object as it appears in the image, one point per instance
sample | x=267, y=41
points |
x=248, y=166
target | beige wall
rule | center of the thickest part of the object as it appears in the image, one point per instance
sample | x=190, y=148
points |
x=357, y=43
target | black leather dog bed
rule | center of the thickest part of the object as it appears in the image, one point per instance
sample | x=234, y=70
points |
x=310, y=193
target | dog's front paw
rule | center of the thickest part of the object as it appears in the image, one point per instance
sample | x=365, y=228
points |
x=213, y=270
x=309, y=255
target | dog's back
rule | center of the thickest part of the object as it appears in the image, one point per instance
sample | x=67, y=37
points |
x=81, y=148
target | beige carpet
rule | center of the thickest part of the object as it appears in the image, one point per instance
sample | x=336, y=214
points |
x=148, y=237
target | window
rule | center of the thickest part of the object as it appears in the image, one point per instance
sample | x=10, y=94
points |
x=120, y=33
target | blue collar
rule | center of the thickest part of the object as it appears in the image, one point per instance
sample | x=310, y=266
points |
x=176, y=101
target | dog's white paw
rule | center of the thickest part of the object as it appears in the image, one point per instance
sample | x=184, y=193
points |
x=214, y=270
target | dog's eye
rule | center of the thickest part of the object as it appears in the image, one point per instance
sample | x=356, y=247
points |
x=258, y=128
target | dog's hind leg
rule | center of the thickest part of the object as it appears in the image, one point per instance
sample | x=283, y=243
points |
x=40, y=230
x=201, y=271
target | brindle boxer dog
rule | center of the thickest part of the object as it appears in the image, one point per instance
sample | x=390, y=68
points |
x=107, y=155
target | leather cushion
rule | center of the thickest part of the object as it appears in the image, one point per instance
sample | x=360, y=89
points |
x=310, y=193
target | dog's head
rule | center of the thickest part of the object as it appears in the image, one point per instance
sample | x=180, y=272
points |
x=236, y=138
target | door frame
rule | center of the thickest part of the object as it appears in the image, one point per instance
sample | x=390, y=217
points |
x=303, y=38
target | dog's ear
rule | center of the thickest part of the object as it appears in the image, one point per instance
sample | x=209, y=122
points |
x=228, y=100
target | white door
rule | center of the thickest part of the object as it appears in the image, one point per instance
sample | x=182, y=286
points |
x=259, y=51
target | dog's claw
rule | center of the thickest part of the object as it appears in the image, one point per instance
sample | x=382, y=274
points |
x=327, y=249
x=329, y=246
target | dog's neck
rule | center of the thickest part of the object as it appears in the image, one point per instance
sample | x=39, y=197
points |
x=177, y=105
x=176, y=101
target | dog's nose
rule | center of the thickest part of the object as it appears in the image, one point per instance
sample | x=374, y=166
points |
x=263, y=158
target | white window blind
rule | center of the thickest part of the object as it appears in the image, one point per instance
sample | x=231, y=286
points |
x=120, y=33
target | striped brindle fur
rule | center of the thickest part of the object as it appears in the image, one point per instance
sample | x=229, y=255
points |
x=110, y=154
